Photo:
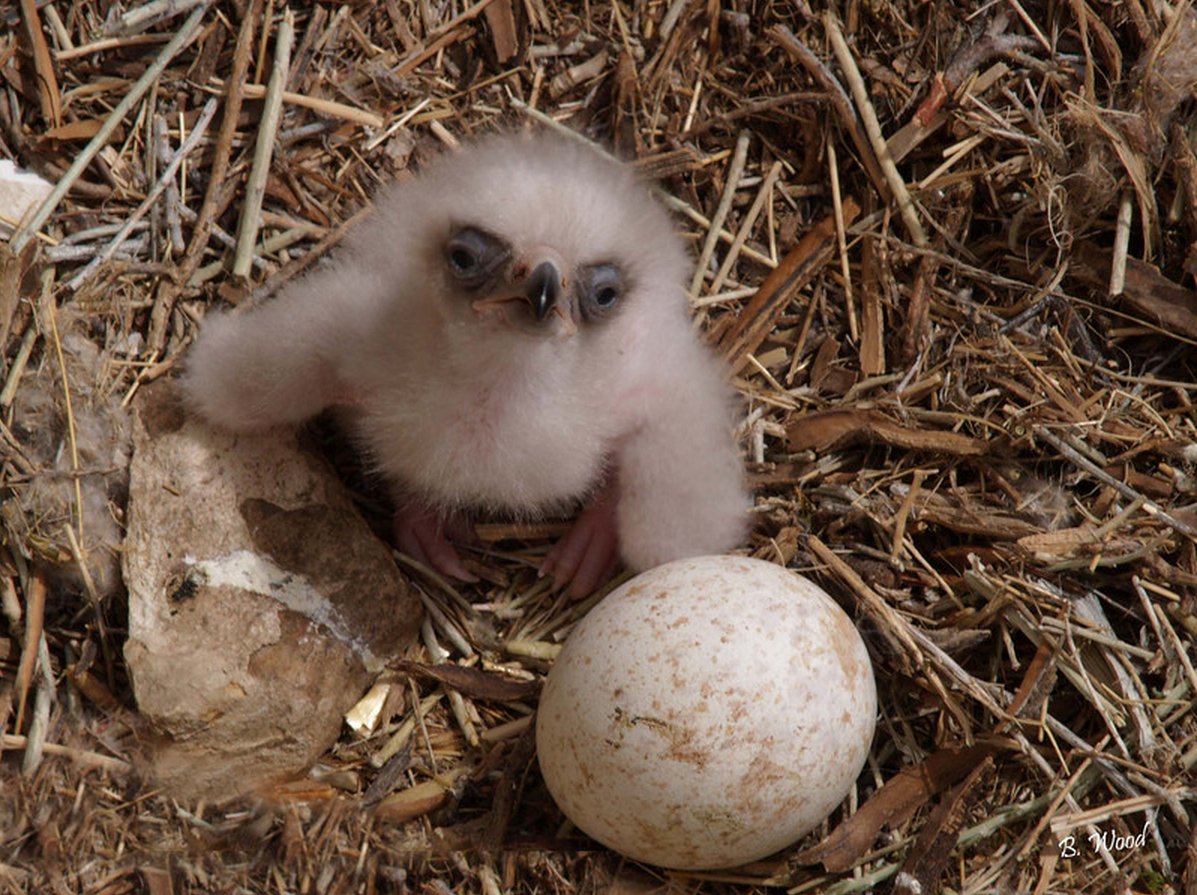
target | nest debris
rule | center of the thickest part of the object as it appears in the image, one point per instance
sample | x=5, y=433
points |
x=946, y=248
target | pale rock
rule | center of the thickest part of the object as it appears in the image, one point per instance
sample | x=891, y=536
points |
x=260, y=603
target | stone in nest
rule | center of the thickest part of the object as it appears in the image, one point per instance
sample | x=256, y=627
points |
x=261, y=606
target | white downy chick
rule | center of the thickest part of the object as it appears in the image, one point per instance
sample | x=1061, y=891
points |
x=510, y=334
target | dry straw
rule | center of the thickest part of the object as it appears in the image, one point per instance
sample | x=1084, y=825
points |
x=948, y=251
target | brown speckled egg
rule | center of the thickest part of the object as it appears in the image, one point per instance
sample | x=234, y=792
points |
x=708, y=713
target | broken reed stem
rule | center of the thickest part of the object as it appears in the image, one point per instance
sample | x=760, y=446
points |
x=327, y=107
x=21, y=238
x=578, y=74
x=841, y=239
x=841, y=103
x=59, y=27
x=39, y=721
x=294, y=268
x=35, y=611
x=147, y=15
x=205, y=219
x=1160, y=617
x=193, y=139
x=107, y=43
x=676, y=204
x=890, y=625
x=414, y=61
x=1122, y=233
x=800, y=265
x=172, y=224
x=17, y=369
x=79, y=756
x=734, y=173
x=557, y=127
x=72, y=439
x=471, y=13
x=43, y=65
x=868, y=115
x=746, y=226
x=255, y=191
x=268, y=246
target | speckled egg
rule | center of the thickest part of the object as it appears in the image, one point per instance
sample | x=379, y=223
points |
x=707, y=713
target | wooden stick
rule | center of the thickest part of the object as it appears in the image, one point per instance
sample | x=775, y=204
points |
x=416, y=60
x=734, y=173
x=840, y=101
x=217, y=191
x=247, y=233
x=35, y=613
x=79, y=756
x=17, y=370
x=47, y=83
x=172, y=224
x=1126, y=210
x=39, y=720
x=841, y=239
x=109, y=43
x=193, y=139
x=758, y=203
x=294, y=268
x=320, y=106
x=21, y=238
x=59, y=28
x=146, y=15
x=676, y=204
x=72, y=440
x=472, y=13
x=797, y=269
x=864, y=107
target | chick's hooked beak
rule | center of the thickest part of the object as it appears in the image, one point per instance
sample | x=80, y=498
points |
x=534, y=291
x=542, y=289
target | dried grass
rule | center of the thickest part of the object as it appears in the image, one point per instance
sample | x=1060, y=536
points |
x=946, y=250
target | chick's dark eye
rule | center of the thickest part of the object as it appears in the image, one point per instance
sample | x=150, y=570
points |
x=462, y=261
x=473, y=255
x=603, y=287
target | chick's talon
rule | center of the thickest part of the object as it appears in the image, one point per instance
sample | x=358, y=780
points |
x=588, y=555
x=421, y=534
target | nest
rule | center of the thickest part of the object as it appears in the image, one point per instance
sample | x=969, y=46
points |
x=944, y=247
